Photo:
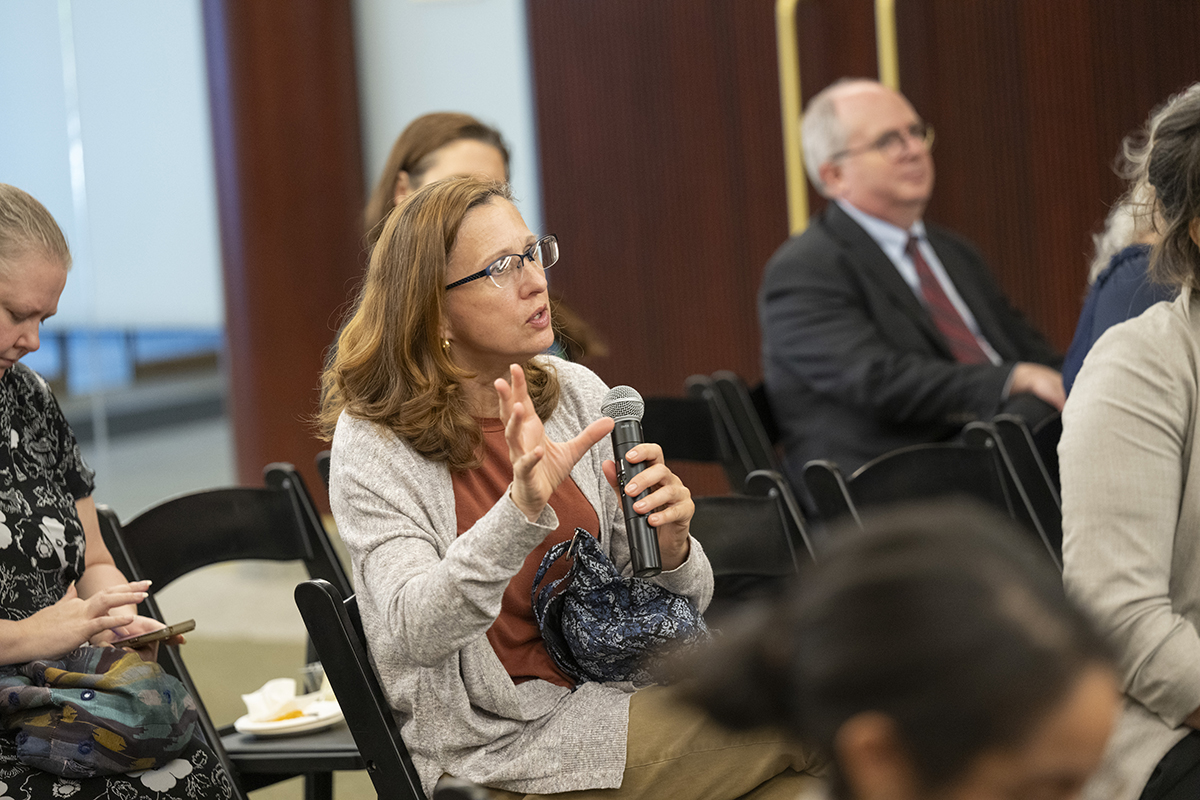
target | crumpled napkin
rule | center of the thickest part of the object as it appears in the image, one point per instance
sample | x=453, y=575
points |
x=277, y=700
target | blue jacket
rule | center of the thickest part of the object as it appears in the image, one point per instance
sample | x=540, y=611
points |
x=1122, y=291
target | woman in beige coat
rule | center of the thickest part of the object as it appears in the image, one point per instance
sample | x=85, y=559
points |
x=1131, y=492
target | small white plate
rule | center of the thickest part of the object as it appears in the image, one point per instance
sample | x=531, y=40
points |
x=319, y=715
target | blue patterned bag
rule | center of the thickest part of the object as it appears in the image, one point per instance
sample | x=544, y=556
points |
x=599, y=625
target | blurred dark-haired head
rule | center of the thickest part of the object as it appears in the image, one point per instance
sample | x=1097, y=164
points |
x=938, y=626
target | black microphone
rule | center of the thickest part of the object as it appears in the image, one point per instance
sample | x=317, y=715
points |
x=625, y=406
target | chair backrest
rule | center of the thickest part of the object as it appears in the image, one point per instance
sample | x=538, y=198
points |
x=766, y=415
x=1046, y=433
x=748, y=543
x=690, y=429
x=922, y=471
x=321, y=559
x=970, y=467
x=977, y=465
x=168, y=657
x=336, y=629
x=769, y=483
x=277, y=522
x=1032, y=476
x=744, y=423
x=323, y=466
x=829, y=491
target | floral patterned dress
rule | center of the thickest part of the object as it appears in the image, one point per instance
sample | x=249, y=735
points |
x=42, y=474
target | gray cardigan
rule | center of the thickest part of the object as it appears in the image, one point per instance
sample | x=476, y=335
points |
x=428, y=597
x=1131, y=527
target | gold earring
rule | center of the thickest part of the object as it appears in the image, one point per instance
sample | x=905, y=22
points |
x=445, y=345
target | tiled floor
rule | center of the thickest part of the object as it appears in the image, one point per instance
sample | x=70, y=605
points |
x=247, y=627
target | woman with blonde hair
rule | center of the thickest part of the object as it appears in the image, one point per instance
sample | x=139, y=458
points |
x=460, y=455
x=62, y=598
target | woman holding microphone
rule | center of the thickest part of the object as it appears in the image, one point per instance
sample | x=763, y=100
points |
x=460, y=455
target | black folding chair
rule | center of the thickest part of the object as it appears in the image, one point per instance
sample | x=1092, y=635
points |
x=1046, y=432
x=323, y=466
x=192, y=531
x=1032, y=474
x=745, y=422
x=769, y=483
x=977, y=466
x=690, y=429
x=335, y=627
x=748, y=541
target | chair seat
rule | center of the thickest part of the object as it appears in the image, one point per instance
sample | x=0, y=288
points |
x=331, y=750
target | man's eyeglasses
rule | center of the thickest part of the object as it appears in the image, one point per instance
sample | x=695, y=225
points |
x=894, y=142
x=543, y=252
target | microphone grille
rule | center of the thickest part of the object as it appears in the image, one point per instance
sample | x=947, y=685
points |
x=623, y=402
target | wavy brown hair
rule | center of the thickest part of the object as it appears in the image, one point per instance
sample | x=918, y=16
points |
x=389, y=366
x=413, y=153
x=1174, y=172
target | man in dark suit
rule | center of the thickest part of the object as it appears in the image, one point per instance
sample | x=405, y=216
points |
x=880, y=331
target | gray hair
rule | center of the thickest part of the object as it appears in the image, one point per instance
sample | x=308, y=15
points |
x=1132, y=218
x=27, y=227
x=821, y=132
x=1122, y=227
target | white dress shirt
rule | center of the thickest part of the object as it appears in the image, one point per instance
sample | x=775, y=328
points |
x=893, y=241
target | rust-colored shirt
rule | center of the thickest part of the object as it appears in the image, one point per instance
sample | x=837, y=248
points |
x=514, y=635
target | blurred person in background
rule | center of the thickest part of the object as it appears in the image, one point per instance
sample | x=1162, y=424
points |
x=446, y=144
x=881, y=330
x=1119, y=280
x=933, y=656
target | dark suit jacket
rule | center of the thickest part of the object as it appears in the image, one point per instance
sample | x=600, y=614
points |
x=854, y=365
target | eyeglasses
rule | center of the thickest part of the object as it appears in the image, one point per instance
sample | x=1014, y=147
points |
x=894, y=142
x=543, y=252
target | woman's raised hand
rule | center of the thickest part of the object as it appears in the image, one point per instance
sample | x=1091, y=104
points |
x=669, y=504
x=539, y=465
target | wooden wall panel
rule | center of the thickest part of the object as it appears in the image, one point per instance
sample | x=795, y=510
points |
x=662, y=173
x=1030, y=100
x=289, y=181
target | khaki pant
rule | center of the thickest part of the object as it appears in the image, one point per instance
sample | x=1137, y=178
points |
x=675, y=752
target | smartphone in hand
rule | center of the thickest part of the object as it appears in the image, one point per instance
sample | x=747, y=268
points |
x=143, y=639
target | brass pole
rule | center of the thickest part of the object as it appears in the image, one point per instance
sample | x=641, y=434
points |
x=886, y=49
x=787, y=42
x=789, y=104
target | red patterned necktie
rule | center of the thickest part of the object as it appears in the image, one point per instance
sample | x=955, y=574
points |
x=963, y=343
